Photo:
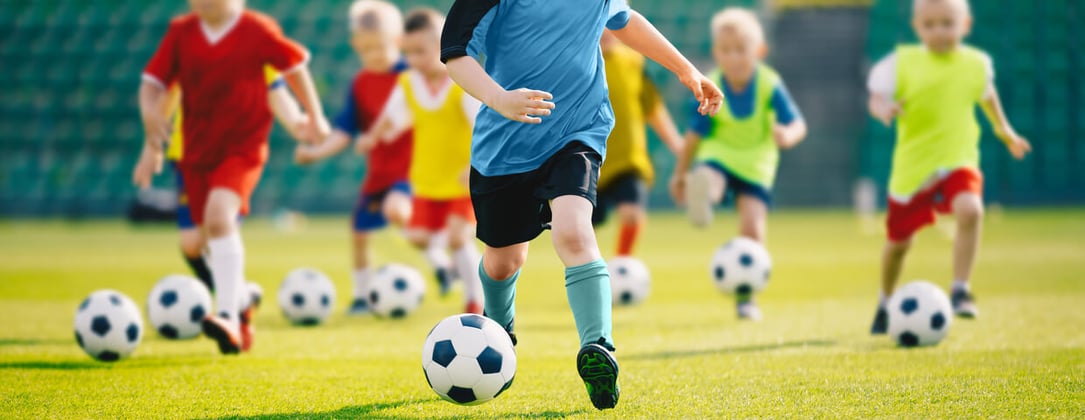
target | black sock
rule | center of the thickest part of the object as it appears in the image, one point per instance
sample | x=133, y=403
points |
x=201, y=270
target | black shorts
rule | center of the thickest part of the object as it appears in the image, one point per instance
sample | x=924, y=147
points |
x=627, y=188
x=515, y=208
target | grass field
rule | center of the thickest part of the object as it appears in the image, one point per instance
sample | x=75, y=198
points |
x=683, y=354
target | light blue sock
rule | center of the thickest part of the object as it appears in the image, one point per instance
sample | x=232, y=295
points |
x=500, y=296
x=588, y=288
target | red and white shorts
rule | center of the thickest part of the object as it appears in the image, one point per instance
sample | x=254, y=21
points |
x=905, y=219
x=432, y=215
x=236, y=173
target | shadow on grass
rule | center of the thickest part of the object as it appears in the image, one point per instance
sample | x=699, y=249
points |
x=755, y=348
x=60, y=365
x=375, y=410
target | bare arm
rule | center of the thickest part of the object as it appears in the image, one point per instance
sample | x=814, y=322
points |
x=305, y=154
x=523, y=105
x=286, y=111
x=789, y=135
x=992, y=108
x=883, y=108
x=301, y=82
x=662, y=123
x=153, y=101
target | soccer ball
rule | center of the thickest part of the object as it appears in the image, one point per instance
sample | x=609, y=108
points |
x=396, y=291
x=630, y=281
x=742, y=265
x=919, y=314
x=108, y=325
x=468, y=359
x=306, y=296
x=177, y=306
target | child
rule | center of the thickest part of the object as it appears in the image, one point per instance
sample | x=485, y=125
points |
x=627, y=172
x=535, y=154
x=738, y=150
x=931, y=90
x=376, y=31
x=443, y=116
x=217, y=55
x=285, y=109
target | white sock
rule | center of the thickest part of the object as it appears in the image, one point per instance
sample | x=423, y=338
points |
x=467, y=260
x=228, y=269
x=961, y=285
x=882, y=298
x=437, y=251
x=361, y=278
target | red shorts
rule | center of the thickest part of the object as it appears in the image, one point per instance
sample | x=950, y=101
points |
x=432, y=215
x=905, y=219
x=235, y=173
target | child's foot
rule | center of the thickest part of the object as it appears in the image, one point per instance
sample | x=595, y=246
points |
x=964, y=304
x=359, y=307
x=881, y=321
x=473, y=307
x=599, y=371
x=698, y=198
x=248, y=332
x=444, y=280
x=747, y=308
x=226, y=335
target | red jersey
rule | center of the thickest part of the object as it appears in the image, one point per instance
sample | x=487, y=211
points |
x=388, y=162
x=225, y=89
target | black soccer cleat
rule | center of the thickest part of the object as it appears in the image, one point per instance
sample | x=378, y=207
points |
x=218, y=328
x=964, y=304
x=881, y=322
x=444, y=280
x=599, y=370
x=359, y=307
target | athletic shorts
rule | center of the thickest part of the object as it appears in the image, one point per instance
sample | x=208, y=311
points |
x=515, y=208
x=236, y=173
x=905, y=219
x=737, y=186
x=432, y=215
x=369, y=211
x=184, y=213
x=627, y=188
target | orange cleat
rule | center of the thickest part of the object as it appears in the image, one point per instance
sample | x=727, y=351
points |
x=218, y=329
x=248, y=331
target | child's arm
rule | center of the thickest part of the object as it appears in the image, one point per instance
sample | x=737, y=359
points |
x=685, y=159
x=639, y=34
x=882, y=86
x=301, y=82
x=305, y=154
x=664, y=126
x=287, y=112
x=789, y=135
x=153, y=100
x=523, y=105
x=149, y=164
x=992, y=107
x=789, y=129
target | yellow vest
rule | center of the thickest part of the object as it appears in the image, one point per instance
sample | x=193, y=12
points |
x=937, y=129
x=442, y=144
x=745, y=145
x=633, y=97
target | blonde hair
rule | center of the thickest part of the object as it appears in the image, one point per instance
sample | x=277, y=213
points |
x=376, y=16
x=741, y=21
x=961, y=5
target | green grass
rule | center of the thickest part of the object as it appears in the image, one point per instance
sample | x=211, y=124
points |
x=683, y=353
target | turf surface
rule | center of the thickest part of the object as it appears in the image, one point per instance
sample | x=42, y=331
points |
x=683, y=354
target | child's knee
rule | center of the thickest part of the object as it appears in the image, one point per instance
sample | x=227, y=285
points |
x=968, y=209
x=573, y=241
x=503, y=266
x=191, y=244
x=899, y=247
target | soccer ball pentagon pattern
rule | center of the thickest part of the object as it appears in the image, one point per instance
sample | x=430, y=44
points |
x=306, y=296
x=177, y=305
x=920, y=314
x=396, y=291
x=630, y=282
x=108, y=325
x=468, y=359
x=741, y=266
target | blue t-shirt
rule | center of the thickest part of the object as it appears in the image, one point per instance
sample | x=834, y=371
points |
x=741, y=105
x=548, y=45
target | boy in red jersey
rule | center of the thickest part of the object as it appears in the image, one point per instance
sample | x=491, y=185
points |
x=217, y=55
x=376, y=29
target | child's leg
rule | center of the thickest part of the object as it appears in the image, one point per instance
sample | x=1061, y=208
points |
x=631, y=217
x=968, y=209
x=362, y=271
x=704, y=189
x=466, y=256
x=226, y=251
x=752, y=213
x=587, y=282
x=498, y=272
x=892, y=264
x=397, y=208
x=192, y=245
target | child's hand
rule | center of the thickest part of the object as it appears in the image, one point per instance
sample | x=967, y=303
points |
x=150, y=163
x=299, y=129
x=365, y=143
x=780, y=135
x=1018, y=146
x=523, y=105
x=304, y=155
x=316, y=130
x=707, y=93
x=884, y=109
x=678, y=188
x=156, y=130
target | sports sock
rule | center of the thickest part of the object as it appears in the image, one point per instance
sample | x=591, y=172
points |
x=960, y=285
x=227, y=268
x=201, y=270
x=588, y=289
x=627, y=237
x=437, y=251
x=500, y=304
x=882, y=298
x=361, y=278
x=467, y=258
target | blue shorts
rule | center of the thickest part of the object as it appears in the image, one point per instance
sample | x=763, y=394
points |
x=737, y=186
x=368, y=214
x=184, y=214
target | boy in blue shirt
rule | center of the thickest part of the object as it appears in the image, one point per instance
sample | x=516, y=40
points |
x=535, y=154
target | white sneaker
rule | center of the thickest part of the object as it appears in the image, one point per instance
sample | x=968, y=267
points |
x=749, y=311
x=698, y=197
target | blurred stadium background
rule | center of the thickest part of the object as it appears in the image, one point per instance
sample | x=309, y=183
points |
x=70, y=131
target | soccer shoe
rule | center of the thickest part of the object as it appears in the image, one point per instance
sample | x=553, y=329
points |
x=248, y=331
x=964, y=304
x=748, y=310
x=881, y=321
x=698, y=198
x=599, y=371
x=256, y=295
x=444, y=280
x=219, y=329
x=359, y=307
x=473, y=307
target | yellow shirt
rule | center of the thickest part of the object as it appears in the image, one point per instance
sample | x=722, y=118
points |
x=442, y=136
x=175, y=149
x=633, y=97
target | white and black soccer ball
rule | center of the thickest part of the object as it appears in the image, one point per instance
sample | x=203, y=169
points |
x=920, y=314
x=742, y=265
x=306, y=296
x=630, y=281
x=396, y=291
x=468, y=359
x=108, y=325
x=177, y=306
